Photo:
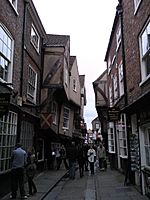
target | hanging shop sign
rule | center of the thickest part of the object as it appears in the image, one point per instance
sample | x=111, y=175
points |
x=113, y=114
x=4, y=103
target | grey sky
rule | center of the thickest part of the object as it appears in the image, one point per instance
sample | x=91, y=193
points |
x=89, y=25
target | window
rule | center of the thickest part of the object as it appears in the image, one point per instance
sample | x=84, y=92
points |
x=14, y=3
x=147, y=145
x=145, y=52
x=27, y=134
x=74, y=85
x=115, y=87
x=121, y=128
x=35, y=38
x=109, y=64
x=32, y=85
x=111, y=138
x=8, y=132
x=136, y=4
x=110, y=96
x=118, y=36
x=54, y=112
x=6, y=50
x=66, y=118
x=97, y=126
x=121, y=83
x=66, y=76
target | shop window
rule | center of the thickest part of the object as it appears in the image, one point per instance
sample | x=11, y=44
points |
x=8, y=132
x=27, y=134
x=121, y=128
x=111, y=138
x=147, y=146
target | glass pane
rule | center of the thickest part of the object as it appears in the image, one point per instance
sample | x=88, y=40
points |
x=144, y=43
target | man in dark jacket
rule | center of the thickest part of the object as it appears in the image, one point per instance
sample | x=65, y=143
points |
x=19, y=159
x=72, y=157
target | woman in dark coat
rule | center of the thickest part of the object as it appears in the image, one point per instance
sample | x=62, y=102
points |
x=31, y=170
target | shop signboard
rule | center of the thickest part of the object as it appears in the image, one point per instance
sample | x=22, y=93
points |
x=113, y=114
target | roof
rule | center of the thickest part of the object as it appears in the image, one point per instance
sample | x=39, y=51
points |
x=57, y=40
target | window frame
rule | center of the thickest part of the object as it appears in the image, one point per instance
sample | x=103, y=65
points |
x=115, y=84
x=36, y=44
x=7, y=139
x=147, y=146
x=118, y=37
x=111, y=138
x=30, y=97
x=14, y=4
x=122, y=130
x=54, y=110
x=66, y=117
x=74, y=85
x=4, y=55
x=144, y=52
x=136, y=5
x=121, y=80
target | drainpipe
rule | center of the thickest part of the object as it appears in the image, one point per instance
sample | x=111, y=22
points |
x=120, y=13
x=23, y=43
x=21, y=71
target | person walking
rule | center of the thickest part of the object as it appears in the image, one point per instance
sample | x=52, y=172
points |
x=63, y=156
x=91, y=158
x=81, y=160
x=85, y=149
x=58, y=158
x=72, y=157
x=101, y=156
x=31, y=170
x=18, y=161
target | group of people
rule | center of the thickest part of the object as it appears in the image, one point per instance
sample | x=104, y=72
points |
x=83, y=154
x=22, y=162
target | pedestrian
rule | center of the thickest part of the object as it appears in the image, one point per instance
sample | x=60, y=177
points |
x=63, y=156
x=18, y=161
x=101, y=156
x=58, y=158
x=72, y=157
x=91, y=158
x=85, y=149
x=81, y=160
x=31, y=170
